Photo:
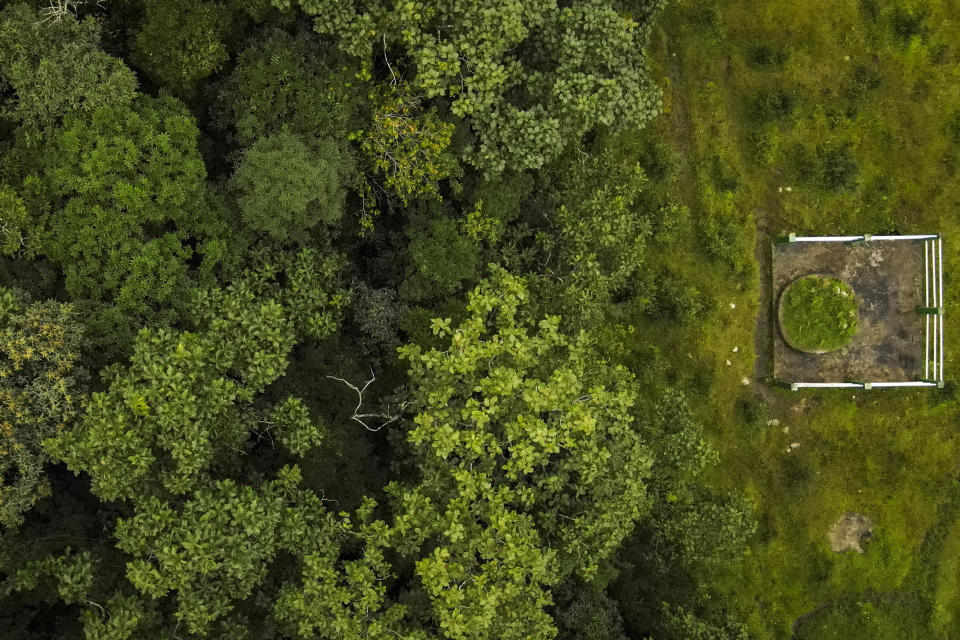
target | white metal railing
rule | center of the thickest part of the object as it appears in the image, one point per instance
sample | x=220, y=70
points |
x=861, y=385
x=933, y=299
x=866, y=237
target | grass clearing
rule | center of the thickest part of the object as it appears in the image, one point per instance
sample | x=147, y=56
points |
x=818, y=118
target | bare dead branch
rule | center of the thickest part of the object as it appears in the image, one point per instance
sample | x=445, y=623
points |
x=363, y=418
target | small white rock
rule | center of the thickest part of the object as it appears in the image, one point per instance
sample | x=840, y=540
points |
x=794, y=445
x=786, y=429
x=779, y=189
x=789, y=189
x=774, y=423
x=733, y=306
x=729, y=363
x=744, y=381
x=735, y=349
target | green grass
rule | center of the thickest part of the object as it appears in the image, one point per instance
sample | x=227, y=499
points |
x=893, y=617
x=817, y=118
x=946, y=613
x=818, y=314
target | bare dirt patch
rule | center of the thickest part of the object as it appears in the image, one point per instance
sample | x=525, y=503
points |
x=850, y=532
x=887, y=277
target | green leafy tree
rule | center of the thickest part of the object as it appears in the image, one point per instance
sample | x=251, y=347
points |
x=69, y=574
x=41, y=395
x=123, y=617
x=337, y=596
x=523, y=438
x=598, y=231
x=13, y=219
x=528, y=76
x=405, y=145
x=182, y=405
x=211, y=551
x=114, y=203
x=181, y=42
x=283, y=188
x=488, y=574
x=57, y=68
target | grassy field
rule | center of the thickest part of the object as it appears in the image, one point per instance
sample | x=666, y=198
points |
x=816, y=117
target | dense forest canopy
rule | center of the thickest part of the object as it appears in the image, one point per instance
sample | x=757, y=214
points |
x=343, y=319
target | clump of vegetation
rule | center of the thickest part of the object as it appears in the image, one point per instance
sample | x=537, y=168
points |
x=818, y=314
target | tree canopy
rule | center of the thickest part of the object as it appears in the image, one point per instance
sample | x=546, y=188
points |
x=237, y=403
x=527, y=76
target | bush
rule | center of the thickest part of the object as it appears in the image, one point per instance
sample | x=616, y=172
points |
x=953, y=127
x=678, y=300
x=670, y=221
x=837, y=168
x=762, y=56
x=863, y=79
x=657, y=160
x=893, y=617
x=721, y=176
x=722, y=240
x=771, y=104
x=906, y=24
x=752, y=413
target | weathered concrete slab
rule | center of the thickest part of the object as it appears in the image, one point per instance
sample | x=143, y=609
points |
x=888, y=278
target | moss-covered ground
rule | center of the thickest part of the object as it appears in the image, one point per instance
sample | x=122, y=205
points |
x=816, y=117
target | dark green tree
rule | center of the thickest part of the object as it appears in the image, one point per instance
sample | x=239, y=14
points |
x=181, y=42
x=288, y=81
x=442, y=258
x=283, y=188
x=117, y=201
x=598, y=227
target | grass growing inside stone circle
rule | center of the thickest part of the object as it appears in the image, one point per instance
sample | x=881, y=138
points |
x=819, y=314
